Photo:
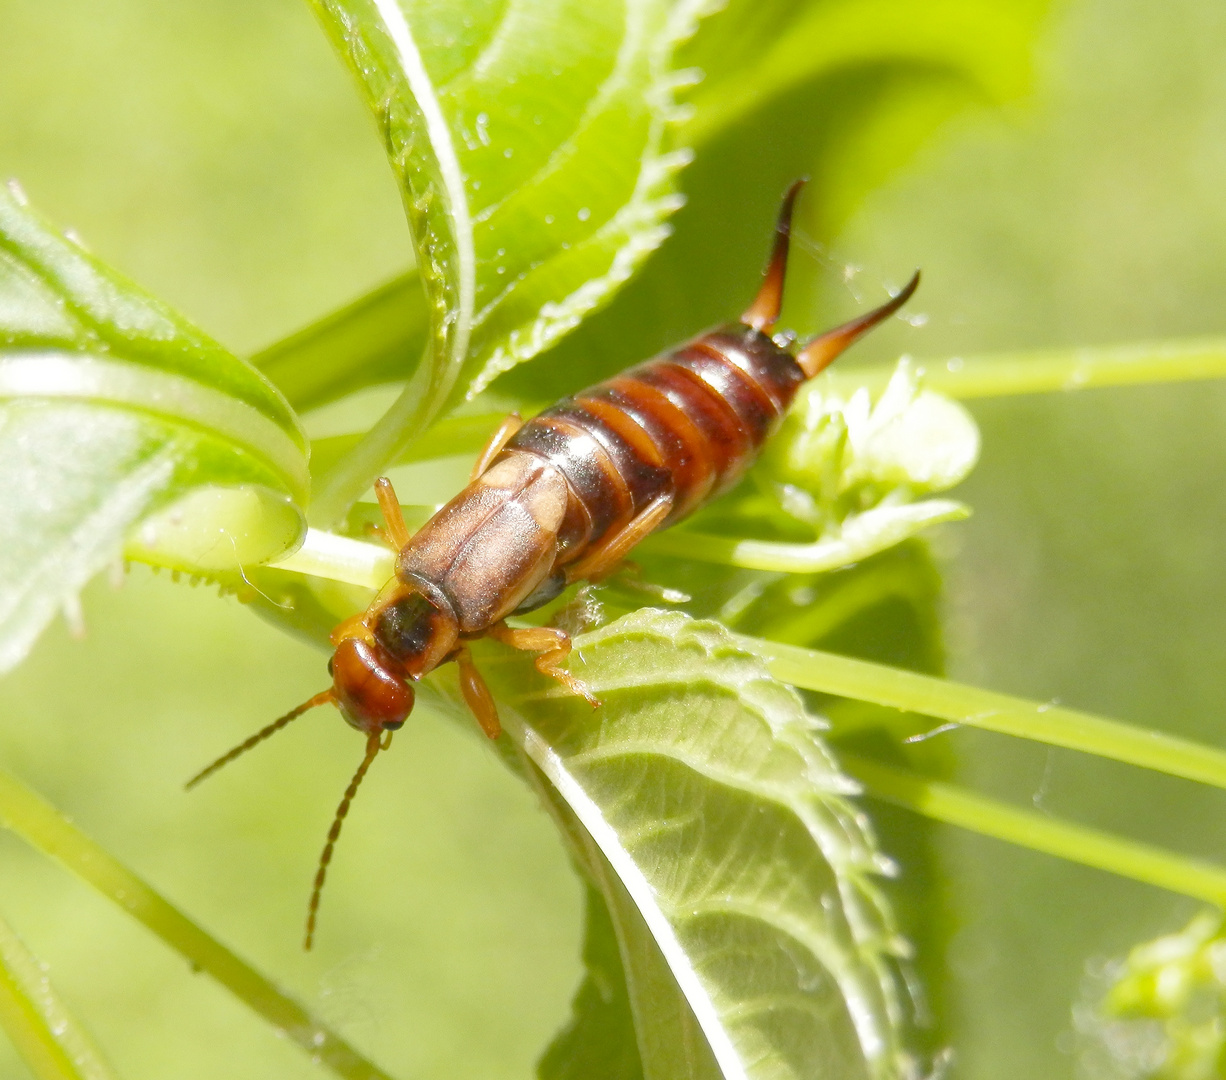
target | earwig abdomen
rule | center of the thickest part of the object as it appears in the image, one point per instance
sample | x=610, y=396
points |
x=686, y=425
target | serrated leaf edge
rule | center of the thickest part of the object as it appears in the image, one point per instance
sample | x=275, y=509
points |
x=873, y=943
x=642, y=217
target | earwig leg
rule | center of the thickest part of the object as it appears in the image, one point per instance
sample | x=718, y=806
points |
x=344, y=628
x=397, y=531
x=497, y=441
x=552, y=647
x=477, y=695
x=603, y=560
x=379, y=533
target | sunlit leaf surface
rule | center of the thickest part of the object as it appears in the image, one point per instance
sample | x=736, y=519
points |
x=530, y=143
x=706, y=787
x=114, y=411
x=758, y=49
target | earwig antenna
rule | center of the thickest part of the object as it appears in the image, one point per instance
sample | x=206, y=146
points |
x=763, y=313
x=821, y=350
x=373, y=746
x=225, y=759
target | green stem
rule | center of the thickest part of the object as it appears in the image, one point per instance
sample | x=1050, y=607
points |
x=861, y=535
x=396, y=430
x=946, y=700
x=1039, y=832
x=37, y=822
x=376, y=339
x=1046, y=370
x=340, y=558
x=49, y=1039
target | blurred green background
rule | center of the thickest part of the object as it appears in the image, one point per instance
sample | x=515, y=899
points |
x=217, y=154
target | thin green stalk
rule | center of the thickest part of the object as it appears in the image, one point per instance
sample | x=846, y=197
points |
x=454, y=435
x=341, y=558
x=376, y=339
x=946, y=700
x=861, y=536
x=396, y=430
x=48, y=1037
x=1039, y=832
x=1046, y=370
x=36, y=821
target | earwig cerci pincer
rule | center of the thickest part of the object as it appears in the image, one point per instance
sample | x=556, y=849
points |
x=559, y=499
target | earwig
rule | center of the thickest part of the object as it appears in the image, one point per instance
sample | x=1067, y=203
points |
x=559, y=499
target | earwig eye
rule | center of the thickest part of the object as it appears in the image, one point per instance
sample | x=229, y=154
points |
x=330, y=672
x=392, y=725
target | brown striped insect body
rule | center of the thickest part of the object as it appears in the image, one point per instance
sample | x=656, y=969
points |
x=559, y=499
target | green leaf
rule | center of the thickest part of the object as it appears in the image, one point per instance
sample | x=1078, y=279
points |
x=922, y=64
x=705, y=786
x=530, y=141
x=49, y=1038
x=758, y=49
x=669, y=1039
x=114, y=411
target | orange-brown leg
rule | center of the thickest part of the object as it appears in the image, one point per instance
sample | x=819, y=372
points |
x=477, y=695
x=379, y=534
x=552, y=646
x=397, y=532
x=602, y=561
x=344, y=628
x=497, y=441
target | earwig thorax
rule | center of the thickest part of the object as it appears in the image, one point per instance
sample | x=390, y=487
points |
x=416, y=630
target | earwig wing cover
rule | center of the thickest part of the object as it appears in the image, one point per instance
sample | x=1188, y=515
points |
x=124, y=431
x=740, y=877
x=531, y=140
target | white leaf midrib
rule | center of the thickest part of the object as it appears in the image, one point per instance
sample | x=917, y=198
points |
x=441, y=141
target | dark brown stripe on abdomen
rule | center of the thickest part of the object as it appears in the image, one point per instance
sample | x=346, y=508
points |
x=689, y=423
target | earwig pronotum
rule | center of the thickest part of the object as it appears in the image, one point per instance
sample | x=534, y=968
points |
x=559, y=499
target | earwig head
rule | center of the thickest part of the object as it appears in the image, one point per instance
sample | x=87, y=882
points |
x=371, y=695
